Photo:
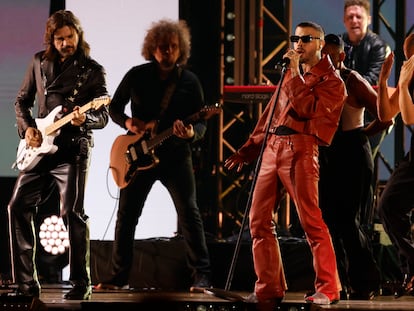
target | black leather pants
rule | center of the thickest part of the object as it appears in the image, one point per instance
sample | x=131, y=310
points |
x=30, y=190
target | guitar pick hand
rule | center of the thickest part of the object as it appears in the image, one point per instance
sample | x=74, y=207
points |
x=33, y=137
x=135, y=125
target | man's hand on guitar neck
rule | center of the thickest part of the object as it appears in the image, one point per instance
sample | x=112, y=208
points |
x=139, y=127
x=78, y=118
x=182, y=131
x=33, y=137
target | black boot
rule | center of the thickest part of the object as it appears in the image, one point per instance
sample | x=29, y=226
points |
x=79, y=258
x=406, y=287
x=79, y=292
x=31, y=289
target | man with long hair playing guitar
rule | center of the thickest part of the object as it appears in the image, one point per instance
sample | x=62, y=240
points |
x=66, y=83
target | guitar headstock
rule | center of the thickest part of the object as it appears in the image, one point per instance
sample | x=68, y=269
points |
x=98, y=102
x=209, y=111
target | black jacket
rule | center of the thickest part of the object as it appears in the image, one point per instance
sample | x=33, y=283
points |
x=143, y=89
x=50, y=85
x=367, y=57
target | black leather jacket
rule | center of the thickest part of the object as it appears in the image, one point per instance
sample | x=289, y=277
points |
x=50, y=85
x=367, y=57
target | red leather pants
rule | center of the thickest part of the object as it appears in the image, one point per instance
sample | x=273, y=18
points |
x=290, y=161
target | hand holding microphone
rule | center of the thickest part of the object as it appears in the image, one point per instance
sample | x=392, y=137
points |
x=284, y=62
x=291, y=60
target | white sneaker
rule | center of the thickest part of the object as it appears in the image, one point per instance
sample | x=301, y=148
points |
x=320, y=299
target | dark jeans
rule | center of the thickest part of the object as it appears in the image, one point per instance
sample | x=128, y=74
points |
x=178, y=178
x=395, y=208
x=30, y=190
x=346, y=172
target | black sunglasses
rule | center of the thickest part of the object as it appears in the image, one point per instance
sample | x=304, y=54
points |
x=305, y=39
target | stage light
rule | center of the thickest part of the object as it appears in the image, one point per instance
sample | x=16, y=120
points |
x=201, y=308
x=212, y=307
x=231, y=15
x=52, y=254
x=230, y=37
x=53, y=235
x=230, y=59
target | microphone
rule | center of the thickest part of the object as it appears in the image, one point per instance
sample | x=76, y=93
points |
x=284, y=62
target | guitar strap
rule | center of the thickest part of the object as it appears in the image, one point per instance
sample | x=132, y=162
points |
x=169, y=91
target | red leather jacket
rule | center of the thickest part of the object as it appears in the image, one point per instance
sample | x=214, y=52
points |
x=310, y=104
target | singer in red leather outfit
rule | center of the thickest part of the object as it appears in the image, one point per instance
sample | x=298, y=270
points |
x=307, y=111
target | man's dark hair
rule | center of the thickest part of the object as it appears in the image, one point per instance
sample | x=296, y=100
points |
x=56, y=21
x=312, y=25
x=335, y=40
x=163, y=29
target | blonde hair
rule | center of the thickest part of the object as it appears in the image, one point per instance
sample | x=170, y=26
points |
x=364, y=3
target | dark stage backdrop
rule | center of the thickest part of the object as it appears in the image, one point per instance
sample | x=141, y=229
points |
x=161, y=264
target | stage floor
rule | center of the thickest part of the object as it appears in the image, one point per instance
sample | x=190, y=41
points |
x=51, y=299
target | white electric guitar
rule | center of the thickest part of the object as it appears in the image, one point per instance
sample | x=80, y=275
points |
x=28, y=157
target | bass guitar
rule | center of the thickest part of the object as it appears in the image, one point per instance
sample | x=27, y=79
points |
x=132, y=153
x=28, y=157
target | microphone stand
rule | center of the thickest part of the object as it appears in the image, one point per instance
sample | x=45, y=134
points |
x=256, y=171
x=225, y=293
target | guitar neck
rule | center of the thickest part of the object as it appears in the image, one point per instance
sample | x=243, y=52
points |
x=66, y=119
x=203, y=114
x=154, y=142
